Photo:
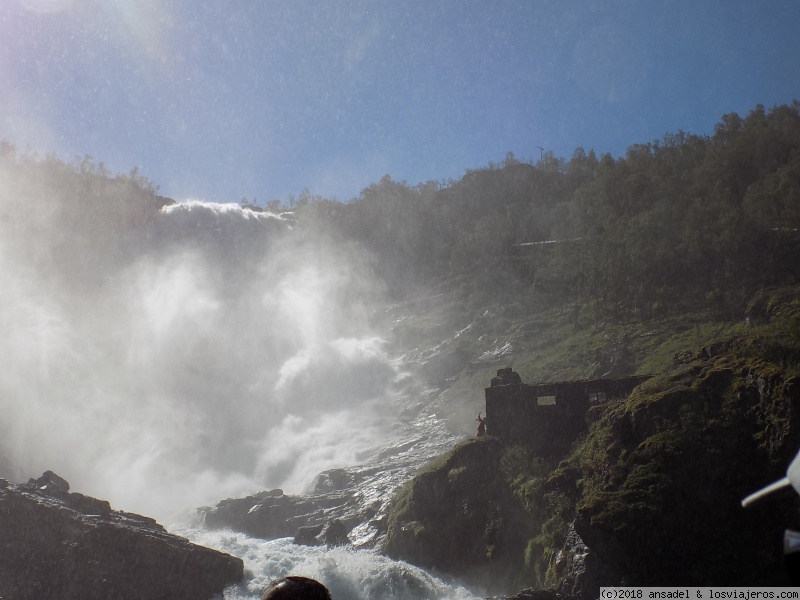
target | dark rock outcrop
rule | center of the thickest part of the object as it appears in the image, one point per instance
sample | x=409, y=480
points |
x=661, y=502
x=273, y=514
x=58, y=544
x=461, y=518
x=334, y=479
x=578, y=568
x=308, y=535
x=347, y=507
x=317, y=519
x=333, y=534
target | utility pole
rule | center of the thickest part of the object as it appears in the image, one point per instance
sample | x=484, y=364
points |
x=541, y=153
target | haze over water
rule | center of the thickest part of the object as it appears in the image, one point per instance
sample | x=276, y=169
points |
x=167, y=359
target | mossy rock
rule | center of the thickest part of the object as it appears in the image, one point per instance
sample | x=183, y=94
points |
x=653, y=488
x=667, y=509
x=461, y=517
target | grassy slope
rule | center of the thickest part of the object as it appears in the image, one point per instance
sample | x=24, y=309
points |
x=656, y=483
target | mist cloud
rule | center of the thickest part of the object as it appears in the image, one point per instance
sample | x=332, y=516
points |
x=168, y=359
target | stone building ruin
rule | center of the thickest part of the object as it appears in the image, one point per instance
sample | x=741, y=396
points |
x=547, y=417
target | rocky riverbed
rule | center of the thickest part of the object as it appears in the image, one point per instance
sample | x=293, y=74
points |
x=347, y=505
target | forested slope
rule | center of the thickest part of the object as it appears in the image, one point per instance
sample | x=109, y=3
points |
x=678, y=260
x=676, y=222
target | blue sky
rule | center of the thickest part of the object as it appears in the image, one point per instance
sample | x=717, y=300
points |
x=217, y=100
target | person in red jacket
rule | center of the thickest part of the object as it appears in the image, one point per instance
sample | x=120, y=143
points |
x=481, y=426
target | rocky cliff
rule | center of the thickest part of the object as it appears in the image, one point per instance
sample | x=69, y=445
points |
x=658, y=484
x=58, y=544
x=649, y=495
x=461, y=516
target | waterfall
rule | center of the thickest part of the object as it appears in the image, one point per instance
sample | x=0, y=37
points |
x=166, y=359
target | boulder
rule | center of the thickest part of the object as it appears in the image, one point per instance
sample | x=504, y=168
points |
x=335, y=534
x=269, y=514
x=333, y=479
x=321, y=518
x=58, y=544
x=308, y=535
x=332, y=534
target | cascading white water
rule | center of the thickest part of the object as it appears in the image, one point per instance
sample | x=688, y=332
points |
x=167, y=359
x=348, y=574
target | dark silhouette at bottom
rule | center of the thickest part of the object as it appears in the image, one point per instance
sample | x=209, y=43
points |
x=296, y=588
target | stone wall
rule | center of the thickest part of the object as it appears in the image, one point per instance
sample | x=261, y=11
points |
x=548, y=417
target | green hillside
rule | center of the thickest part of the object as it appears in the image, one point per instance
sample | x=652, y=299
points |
x=679, y=223
x=678, y=260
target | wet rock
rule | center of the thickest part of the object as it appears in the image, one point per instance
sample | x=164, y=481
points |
x=270, y=514
x=662, y=503
x=57, y=544
x=308, y=535
x=579, y=569
x=50, y=483
x=357, y=496
x=313, y=519
x=335, y=534
x=334, y=479
x=460, y=518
